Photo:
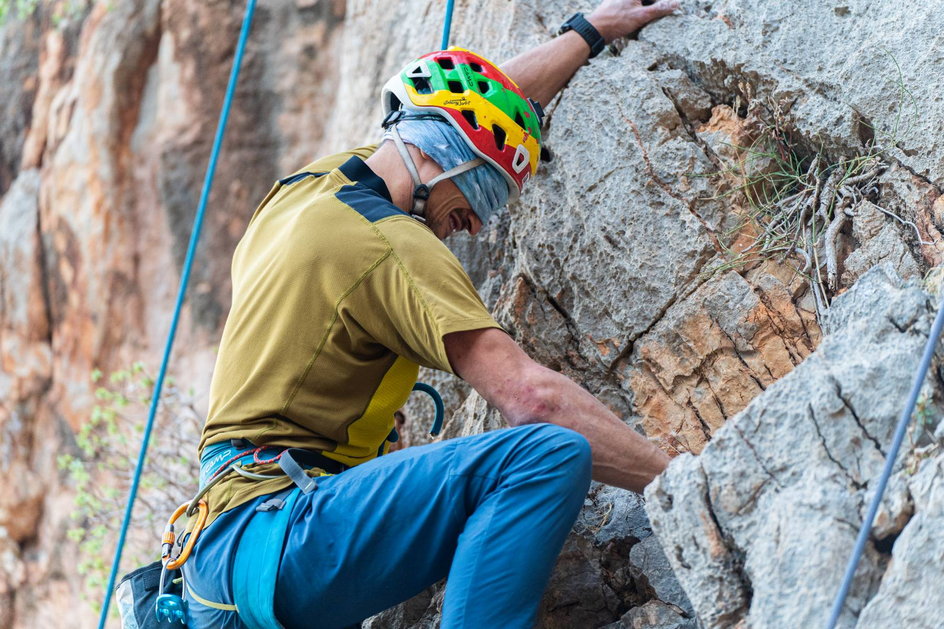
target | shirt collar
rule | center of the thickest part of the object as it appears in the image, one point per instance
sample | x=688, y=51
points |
x=356, y=170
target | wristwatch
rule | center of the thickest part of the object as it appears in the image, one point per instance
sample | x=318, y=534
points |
x=591, y=35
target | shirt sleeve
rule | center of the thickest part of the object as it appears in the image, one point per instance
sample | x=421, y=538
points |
x=418, y=294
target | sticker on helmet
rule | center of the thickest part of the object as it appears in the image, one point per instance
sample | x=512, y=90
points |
x=521, y=159
x=418, y=71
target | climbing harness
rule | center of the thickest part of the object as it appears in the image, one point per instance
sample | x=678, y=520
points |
x=899, y=437
x=256, y=561
x=257, y=555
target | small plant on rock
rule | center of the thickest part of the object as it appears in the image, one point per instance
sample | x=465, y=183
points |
x=103, y=465
x=800, y=200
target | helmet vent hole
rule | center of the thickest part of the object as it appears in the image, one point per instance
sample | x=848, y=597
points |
x=499, y=137
x=469, y=116
x=445, y=63
x=422, y=85
x=475, y=67
x=455, y=87
x=484, y=87
x=519, y=120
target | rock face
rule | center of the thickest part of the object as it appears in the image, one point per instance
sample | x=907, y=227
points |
x=622, y=266
x=777, y=495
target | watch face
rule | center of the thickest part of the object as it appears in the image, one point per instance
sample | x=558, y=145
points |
x=585, y=29
x=570, y=23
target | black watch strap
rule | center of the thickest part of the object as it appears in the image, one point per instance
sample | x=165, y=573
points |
x=591, y=35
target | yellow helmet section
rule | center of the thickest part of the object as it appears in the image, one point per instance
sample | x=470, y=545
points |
x=487, y=115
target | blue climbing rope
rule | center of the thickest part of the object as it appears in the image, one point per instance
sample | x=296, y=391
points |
x=182, y=290
x=889, y=465
x=447, y=26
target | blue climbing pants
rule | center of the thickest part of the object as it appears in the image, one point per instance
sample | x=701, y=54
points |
x=490, y=511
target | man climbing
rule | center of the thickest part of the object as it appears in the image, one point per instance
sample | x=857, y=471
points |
x=341, y=289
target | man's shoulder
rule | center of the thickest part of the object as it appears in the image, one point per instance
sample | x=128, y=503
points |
x=417, y=247
x=330, y=162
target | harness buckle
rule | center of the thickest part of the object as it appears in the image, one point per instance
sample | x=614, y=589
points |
x=421, y=192
x=273, y=504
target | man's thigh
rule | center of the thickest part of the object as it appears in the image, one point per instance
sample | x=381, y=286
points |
x=383, y=531
x=370, y=537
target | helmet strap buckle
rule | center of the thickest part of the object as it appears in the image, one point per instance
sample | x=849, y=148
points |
x=392, y=118
x=420, y=197
x=421, y=192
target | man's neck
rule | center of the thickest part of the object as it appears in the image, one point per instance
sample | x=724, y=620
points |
x=388, y=165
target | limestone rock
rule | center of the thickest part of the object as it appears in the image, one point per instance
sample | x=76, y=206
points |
x=590, y=213
x=843, y=94
x=109, y=112
x=912, y=584
x=711, y=354
x=653, y=615
x=776, y=496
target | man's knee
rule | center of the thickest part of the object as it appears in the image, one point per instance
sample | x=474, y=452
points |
x=561, y=447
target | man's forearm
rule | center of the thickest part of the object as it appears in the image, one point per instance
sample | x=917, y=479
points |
x=526, y=392
x=545, y=70
x=621, y=456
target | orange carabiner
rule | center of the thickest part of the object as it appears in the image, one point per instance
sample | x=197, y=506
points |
x=167, y=542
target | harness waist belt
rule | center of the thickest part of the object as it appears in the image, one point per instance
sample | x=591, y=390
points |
x=242, y=452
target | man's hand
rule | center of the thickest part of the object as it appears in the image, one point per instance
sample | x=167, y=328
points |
x=618, y=18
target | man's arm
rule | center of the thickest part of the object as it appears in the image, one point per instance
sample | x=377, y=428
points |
x=544, y=71
x=525, y=392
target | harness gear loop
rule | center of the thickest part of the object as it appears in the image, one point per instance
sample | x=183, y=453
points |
x=429, y=390
x=167, y=543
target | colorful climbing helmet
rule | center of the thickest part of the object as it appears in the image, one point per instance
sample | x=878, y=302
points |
x=496, y=120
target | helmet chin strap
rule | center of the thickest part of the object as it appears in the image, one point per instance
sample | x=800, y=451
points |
x=421, y=190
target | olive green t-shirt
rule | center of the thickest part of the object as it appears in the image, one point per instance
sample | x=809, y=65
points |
x=338, y=296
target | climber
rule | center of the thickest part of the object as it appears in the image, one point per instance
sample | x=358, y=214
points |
x=342, y=287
